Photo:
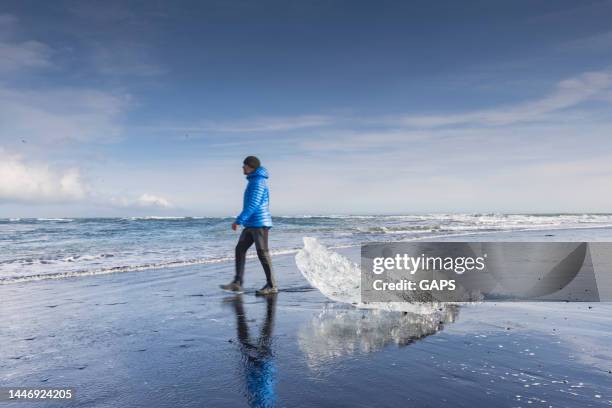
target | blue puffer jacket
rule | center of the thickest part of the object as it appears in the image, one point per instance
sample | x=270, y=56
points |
x=255, y=210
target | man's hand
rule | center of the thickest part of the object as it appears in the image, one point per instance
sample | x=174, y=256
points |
x=234, y=226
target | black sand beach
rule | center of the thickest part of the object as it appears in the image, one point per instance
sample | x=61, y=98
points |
x=169, y=337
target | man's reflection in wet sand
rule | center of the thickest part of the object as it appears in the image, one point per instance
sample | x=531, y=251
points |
x=257, y=356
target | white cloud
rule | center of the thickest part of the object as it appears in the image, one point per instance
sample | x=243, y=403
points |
x=125, y=59
x=351, y=185
x=27, y=182
x=364, y=141
x=39, y=183
x=150, y=200
x=145, y=201
x=598, y=42
x=568, y=93
x=50, y=115
x=19, y=55
x=558, y=106
x=59, y=115
x=263, y=124
x=28, y=54
x=7, y=21
x=465, y=146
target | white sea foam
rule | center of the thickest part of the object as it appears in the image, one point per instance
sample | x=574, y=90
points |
x=117, y=269
x=55, y=219
x=107, y=271
x=157, y=218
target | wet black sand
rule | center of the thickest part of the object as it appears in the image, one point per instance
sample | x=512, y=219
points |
x=169, y=337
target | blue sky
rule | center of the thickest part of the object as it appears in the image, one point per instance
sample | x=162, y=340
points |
x=121, y=108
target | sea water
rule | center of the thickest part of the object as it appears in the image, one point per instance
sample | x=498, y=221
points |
x=44, y=248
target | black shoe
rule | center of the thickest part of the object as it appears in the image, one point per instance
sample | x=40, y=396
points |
x=267, y=290
x=232, y=287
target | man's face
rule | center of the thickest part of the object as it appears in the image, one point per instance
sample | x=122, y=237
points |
x=246, y=169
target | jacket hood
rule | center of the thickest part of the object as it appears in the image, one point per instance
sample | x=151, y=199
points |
x=259, y=172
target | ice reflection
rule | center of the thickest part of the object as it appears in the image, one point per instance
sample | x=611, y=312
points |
x=342, y=331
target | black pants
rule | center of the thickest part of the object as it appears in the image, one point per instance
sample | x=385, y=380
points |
x=260, y=237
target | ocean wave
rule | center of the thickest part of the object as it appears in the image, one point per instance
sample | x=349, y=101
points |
x=157, y=218
x=75, y=259
x=55, y=219
x=105, y=271
x=48, y=261
x=79, y=258
x=127, y=268
x=107, y=245
x=401, y=229
x=169, y=218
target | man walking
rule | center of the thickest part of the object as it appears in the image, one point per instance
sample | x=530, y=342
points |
x=257, y=221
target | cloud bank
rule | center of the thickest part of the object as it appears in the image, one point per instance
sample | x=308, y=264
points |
x=23, y=182
x=39, y=183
